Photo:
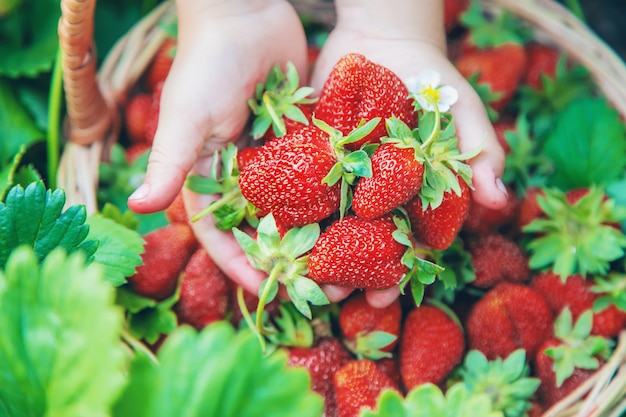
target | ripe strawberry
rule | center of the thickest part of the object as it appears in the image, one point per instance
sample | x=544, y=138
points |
x=136, y=114
x=204, y=292
x=439, y=227
x=481, y=219
x=396, y=178
x=528, y=208
x=357, y=386
x=575, y=293
x=497, y=258
x=245, y=155
x=432, y=344
x=502, y=126
x=167, y=251
x=452, y=11
x=358, y=253
x=160, y=66
x=367, y=331
x=280, y=106
x=322, y=360
x=497, y=57
x=176, y=212
x=286, y=178
x=542, y=62
x=566, y=360
x=508, y=317
x=358, y=89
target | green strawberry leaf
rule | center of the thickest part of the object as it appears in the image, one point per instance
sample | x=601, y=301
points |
x=151, y=322
x=427, y=400
x=29, y=39
x=610, y=290
x=216, y=372
x=60, y=351
x=34, y=216
x=19, y=131
x=590, y=132
x=119, y=248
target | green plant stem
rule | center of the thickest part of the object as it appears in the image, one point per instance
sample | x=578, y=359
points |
x=247, y=317
x=55, y=100
x=271, y=279
x=226, y=199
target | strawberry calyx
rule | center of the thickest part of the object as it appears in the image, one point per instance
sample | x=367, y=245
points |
x=292, y=329
x=350, y=164
x=278, y=98
x=577, y=347
x=490, y=31
x=505, y=381
x=232, y=207
x=285, y=260
x=370, y=345
x=576, y=238
x=421, y=272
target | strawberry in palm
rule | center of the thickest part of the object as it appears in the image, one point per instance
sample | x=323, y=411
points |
x=358, y=89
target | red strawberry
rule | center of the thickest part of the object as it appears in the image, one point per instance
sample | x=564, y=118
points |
x=431, y=346
x=245, y=155
x=502, y=126
x=204, y=292
x=542, y=61
x=396, y=178
x=358, y=89
x=496, y=258
x=167, y=251
x=549, y=393
x=508, y=317
x=366, y=330
x=357, y=386
x=285, y=178
x=439, y=227
x=452, y=11
x=575, y=293
x=481, y=219
x=176, y=212
x=569, y=358
x=501, y=68
x=322, y=361
x=136, y=115
x=528, y=208
x=358, y=253
x=160, y=66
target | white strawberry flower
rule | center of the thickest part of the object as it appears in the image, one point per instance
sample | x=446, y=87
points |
x=426, y=88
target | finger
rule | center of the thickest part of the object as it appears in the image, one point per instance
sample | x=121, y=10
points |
x=475, y=130
x=177, y=144
x=382, y=298
x=336, y=293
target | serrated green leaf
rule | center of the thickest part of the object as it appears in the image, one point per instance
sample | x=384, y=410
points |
x=119, y=248
x=60, y=353
x=217, y=373
x=34, y=216
x=151, y=322
x=590, y=132
x=130, y=301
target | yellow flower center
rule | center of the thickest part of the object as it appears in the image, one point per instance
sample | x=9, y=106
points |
x=431, y=93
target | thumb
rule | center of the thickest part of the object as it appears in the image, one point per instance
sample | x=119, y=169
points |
x=177, y=143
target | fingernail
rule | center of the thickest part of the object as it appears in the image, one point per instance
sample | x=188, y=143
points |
x=140, y=193
x=501, y=186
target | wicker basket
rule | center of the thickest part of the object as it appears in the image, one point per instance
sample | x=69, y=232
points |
x=95, y=98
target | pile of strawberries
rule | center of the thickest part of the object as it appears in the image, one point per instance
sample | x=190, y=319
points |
x=364, y=187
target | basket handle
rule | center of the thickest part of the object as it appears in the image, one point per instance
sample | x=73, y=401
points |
x=89, y=117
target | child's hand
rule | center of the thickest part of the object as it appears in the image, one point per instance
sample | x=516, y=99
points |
x=408, y=37
x=225, y=48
